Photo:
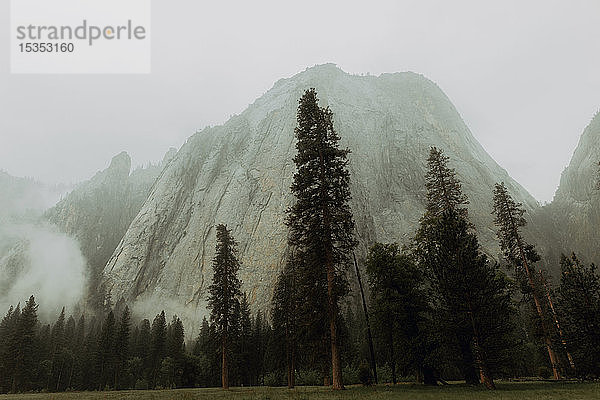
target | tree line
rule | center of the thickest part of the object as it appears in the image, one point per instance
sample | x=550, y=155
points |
x=114, y=353
x=438, y=308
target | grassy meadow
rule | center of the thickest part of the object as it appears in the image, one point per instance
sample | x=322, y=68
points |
x=506, y=390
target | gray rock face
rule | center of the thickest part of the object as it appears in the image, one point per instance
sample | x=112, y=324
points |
x=573, y=216
x=98, y=211
x=240, y=173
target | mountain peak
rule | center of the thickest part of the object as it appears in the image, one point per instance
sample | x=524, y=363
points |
x=120, y=163
x=239, y=173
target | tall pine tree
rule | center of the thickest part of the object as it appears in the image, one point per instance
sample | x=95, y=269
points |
x=398, y=305
x=8, y=328
x=579, y=304
x=105, y=359
x=471, y=297
x=285, y=306
x=24, y=363
x=158, y=346
x=320, y=222
x=509, y=220
x=122, y=346
x=224, y=293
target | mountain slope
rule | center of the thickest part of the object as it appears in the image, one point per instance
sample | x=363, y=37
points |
x=573, y=216
x=98, y=211
x=240, y=173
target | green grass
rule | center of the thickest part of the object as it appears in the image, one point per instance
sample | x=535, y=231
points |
x=506, y=390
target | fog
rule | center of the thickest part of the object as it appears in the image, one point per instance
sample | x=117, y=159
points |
x=35, y=257
x=524, y=76
x=43, y=262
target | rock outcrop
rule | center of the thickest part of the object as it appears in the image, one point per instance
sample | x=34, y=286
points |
x=240, y=173
x=98, y=211
x=573, y=217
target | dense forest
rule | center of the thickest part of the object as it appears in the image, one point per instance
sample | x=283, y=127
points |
x=434, y=309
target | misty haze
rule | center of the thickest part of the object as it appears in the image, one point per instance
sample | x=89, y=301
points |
x=368, y=195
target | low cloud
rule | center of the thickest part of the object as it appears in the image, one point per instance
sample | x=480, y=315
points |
x=42, y=262
x=190, y=314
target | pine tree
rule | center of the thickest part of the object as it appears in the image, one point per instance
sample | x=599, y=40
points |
x=234, y=361
x=8, y=328
x=224, y=292
x=398, y=304
x=176, y=350
x=158, y=346
x=58, y=344
x=259, y=346
x=444, y=190
x=579, y=304
x=320, y=222
x=90, y=377
x=285, y=306
x=244, y=352
x=78, y=354
x=208, y=351
x=470, y=296
x=141, y=350
x=105, y=359
x=43, y=349
x=24, y=363
x=68, y=355
x=122, y=345
x=509, y=220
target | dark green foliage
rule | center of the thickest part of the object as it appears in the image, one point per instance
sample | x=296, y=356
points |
x=224, y=293
x=158, y=347
x=106, y=356
x=243, y=344
x=470, y=298
x=23, y=347
x=579, y=306
x=225, y=288
x=444, y=191
x=364, y=374
x=207, y=349
x=398, y=307
x=141, y=351
x=8, y=329
x=175, y=351
x=122, y=346
x=522, y=256
x=261, y=332
x=508, y=217
x=321, y=224
x=286, y=303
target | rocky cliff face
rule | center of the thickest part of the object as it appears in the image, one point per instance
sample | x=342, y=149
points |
x=573, y=217
x=98, y=212
x=42, y=248
x=240, y=173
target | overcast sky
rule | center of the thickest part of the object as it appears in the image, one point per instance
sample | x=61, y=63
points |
x=525, y=76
